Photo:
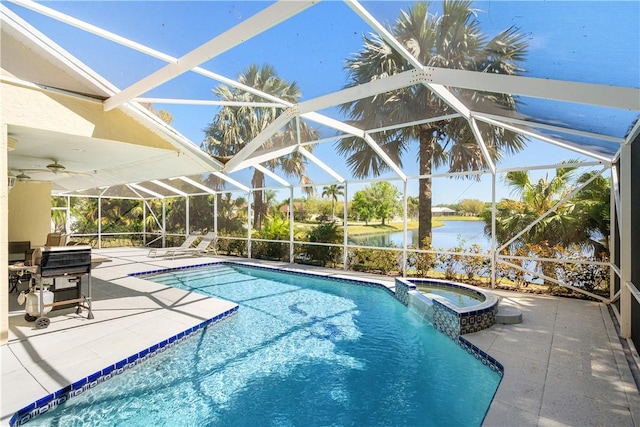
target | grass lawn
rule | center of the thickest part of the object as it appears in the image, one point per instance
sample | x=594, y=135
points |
x=359, y=228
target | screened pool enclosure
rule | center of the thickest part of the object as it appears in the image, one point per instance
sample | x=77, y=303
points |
x=533, y=110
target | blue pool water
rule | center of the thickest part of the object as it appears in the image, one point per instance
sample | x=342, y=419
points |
x=300, y=351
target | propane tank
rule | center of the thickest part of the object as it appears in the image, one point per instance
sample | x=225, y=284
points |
x=33, y=300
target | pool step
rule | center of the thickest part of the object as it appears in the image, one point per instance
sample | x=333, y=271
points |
x=507, y=315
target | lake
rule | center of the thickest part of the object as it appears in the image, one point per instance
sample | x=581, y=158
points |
x=444, y=237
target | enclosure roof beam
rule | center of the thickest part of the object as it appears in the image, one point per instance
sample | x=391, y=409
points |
x=77, y=23
x=552, y=166
x=335, y=124
x=533, y=124
x=414, y=123
x=448, y=97
x=37, y=7
x=211, y=102
x=245, y=30
x=483, y=147
x=266, y=156
x=272, y=175
x=145, y=190
x=320, y=164
x=170, y=188
x=262, y=137
x=384, y=156
x=383, y=32
x=231, y=181
x=365, y=90
x=543, y=138
x=196, y=184
x=625, y=98
x=13, y=20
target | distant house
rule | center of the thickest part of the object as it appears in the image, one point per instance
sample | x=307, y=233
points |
x=439, y=211
x=297, y=206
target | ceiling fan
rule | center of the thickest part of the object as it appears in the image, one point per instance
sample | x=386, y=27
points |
x=55, y=168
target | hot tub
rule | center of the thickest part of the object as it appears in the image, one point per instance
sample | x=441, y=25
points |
x=453, y=308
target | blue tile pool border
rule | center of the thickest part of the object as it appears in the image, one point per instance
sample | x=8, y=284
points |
x=351, y=281
x=51, y=401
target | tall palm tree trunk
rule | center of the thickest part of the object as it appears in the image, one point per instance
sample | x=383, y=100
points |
x=425, y=156
x=258, y=200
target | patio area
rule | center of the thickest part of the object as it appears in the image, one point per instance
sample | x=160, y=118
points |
x=564, y=364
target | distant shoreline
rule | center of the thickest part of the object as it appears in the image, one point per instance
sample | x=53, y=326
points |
x=393, y=227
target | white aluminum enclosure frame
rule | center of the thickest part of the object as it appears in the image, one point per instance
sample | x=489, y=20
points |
x=437, y=80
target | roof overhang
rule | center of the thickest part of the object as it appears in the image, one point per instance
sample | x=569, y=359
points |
x=52, y=106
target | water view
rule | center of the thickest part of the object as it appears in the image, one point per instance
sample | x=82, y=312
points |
x=444, y=237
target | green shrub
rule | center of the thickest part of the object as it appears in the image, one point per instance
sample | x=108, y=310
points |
x=423, y=262
x=273, y=228
x=374, y=260
x=324, y=233
x=474, y=266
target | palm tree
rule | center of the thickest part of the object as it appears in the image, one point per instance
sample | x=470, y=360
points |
x=233, y=127
x=453, y=40
x=231, y=213
x=594, y=204
x=568, y=224
x=333, y=191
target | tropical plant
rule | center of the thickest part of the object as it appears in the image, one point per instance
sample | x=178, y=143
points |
x=450, y=262
x=593, y=204
x=423, y=262
x=201, y=213
x=579, y=221
x=327, y=232
x=270, y=202
x=452, y=40
x=273, y=228
x=232, y=214
x=59, y=216
x=235, y=126
x=474, y=266
x=375, y=260
x=333, y=191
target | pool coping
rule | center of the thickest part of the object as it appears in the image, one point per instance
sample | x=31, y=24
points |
x=52, y=400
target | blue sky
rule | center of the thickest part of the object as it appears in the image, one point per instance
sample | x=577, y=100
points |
x=586, y=41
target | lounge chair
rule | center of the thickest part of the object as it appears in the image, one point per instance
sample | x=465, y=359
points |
x=56, y=239
x=153, y=252
x=201, y=248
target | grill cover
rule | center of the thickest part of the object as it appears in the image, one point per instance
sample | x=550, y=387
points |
x=59, y=261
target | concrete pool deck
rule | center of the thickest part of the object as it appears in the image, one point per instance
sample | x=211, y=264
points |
x=564, y=364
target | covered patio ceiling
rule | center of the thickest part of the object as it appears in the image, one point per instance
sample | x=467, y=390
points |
x=587, y=114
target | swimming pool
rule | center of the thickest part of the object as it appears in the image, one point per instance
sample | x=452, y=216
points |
x=301, y=351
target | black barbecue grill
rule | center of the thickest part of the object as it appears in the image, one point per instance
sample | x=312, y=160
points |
x=71, y=263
